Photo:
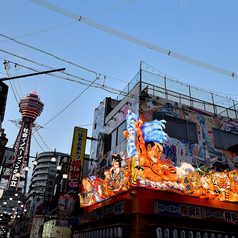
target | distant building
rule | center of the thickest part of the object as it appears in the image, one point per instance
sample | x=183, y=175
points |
x=47, y=183
x=42, y=185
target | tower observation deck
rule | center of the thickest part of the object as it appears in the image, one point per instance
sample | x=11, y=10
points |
x=30, y=108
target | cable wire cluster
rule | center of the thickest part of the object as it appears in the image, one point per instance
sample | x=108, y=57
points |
x=133, y=39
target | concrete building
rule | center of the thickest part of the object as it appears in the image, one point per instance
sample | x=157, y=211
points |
x=42, y=184
x=202, y=142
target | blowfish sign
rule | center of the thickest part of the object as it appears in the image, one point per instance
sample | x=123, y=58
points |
x=19, y=157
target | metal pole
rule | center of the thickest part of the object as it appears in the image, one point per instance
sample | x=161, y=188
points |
x=33, y=74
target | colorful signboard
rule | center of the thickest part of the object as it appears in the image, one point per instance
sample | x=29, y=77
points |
x=77, y=156
x=20, y=209
x=146, y=166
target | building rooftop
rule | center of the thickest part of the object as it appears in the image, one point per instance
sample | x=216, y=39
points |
x=161, y=85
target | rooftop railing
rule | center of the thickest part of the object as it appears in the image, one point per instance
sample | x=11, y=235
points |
x=167, y=88
x=163, y=86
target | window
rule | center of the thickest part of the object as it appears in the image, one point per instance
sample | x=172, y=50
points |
x=115, y=138
x=120, y=129
x=225, y=140
x=50, y=182
x=178, y=128
x=107, y=143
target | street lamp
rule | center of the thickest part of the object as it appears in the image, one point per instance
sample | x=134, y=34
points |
x=58, y=167
x=26, y=168
x=35, y=162
x=65, y=176
x=53, y=159
x=18, y=174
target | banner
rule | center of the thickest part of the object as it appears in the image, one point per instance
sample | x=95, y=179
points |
x=77, y=156
x=19, y=156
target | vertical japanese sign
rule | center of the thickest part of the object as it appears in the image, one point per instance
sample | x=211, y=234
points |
x=77, y=156
x=19, y=156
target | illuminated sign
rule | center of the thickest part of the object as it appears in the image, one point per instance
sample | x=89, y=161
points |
x=20, y=209
x=195, y=212
x=144, y=165
x=19, y=157
x=77, y=156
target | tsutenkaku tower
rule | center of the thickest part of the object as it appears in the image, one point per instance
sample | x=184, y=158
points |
x=30, y=108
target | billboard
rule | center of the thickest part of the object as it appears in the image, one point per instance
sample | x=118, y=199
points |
x=77, y=156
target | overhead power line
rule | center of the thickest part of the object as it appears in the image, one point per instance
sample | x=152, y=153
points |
x=90, y=85
x=7, y=68
x=38, y=32
x=133, y=39
x=47, y=53
x=71, y=102
x=103, y=87
x=84, y=81
x=38, y=142
x=110, y=9
x=48, y=148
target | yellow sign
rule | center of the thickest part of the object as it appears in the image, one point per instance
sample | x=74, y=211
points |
x=77, y=156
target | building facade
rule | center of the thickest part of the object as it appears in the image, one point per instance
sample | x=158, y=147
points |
x=42, y=186
x=183, y=184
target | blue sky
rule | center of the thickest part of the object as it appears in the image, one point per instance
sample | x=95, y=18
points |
x=202, y=30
